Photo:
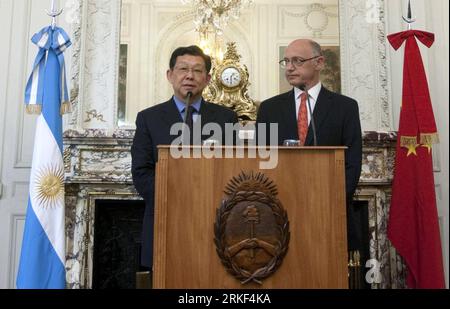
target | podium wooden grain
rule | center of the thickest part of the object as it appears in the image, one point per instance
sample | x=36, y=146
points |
x=311, y=187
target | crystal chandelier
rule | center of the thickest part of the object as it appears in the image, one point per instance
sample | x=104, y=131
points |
x=211, y=18
x=214, y=15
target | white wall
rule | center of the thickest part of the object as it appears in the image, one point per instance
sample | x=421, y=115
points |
x=432, y=16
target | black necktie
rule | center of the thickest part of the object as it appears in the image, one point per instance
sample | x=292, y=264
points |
x=189, y=120
x=189, y=123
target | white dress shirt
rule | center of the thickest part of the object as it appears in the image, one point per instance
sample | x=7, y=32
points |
x=313, y=95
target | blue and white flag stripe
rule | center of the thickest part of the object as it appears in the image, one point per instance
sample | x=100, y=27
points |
x=43, y=248
x=42, y=261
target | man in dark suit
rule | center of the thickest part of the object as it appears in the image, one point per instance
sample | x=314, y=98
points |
x=336, y=116
x=188, y=73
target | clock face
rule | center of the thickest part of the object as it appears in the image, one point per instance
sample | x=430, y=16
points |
x=231, y=77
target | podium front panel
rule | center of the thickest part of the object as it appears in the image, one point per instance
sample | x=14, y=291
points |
x=311, y=187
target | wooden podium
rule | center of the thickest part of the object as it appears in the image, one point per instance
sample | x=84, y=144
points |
x=311, y=188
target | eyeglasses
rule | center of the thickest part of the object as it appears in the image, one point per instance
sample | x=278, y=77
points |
x=296, y=61
x=185, y=70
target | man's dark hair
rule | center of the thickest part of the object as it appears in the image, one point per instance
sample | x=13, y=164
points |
x=192, y=50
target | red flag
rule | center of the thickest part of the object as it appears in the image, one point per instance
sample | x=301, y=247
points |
x=413, y=226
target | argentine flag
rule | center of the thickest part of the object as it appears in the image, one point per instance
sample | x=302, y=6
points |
x=43, y=247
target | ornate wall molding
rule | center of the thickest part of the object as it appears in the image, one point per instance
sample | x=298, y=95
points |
x=315, y=17
x=77, y=59
x=95, y=64
x=364, y=64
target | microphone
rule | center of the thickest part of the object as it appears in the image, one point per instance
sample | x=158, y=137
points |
x=313, y=124
x=187, y=103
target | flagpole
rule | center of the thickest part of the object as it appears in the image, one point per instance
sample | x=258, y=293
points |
x=409, y=19
x=53, y=13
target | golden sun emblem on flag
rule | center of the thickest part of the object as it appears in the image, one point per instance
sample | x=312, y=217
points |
x=49, y=186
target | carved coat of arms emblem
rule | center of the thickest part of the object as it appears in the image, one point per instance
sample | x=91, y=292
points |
x=251, y=228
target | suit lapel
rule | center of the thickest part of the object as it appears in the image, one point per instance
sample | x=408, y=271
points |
x=323, y=106
x=208, y=114
x=170, y=113
x=289, y=116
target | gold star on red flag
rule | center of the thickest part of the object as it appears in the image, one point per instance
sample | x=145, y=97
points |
x=412, y=149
